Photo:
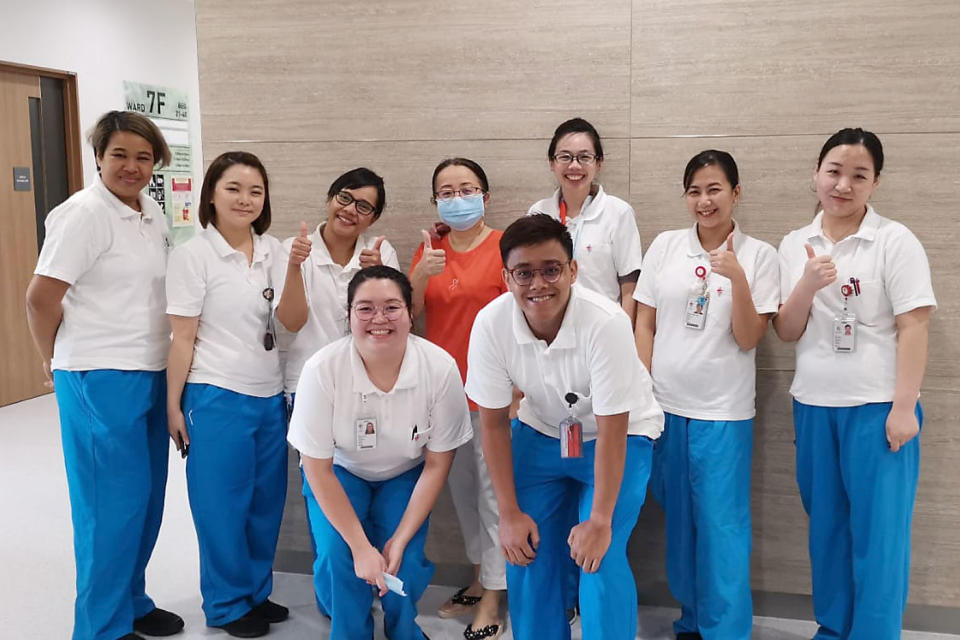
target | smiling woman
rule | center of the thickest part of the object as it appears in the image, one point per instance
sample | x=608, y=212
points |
x=606, y=243
x=95, y=309
x=377, y=418
x=224, y=392
x=857, y=298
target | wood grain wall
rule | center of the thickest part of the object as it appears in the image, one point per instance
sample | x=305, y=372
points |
x=316, y=88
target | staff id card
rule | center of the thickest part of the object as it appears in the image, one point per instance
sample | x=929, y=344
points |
x=366, y=433
x=845, y=332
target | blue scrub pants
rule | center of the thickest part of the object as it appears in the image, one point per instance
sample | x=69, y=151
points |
x=237, y=484
x=859, y=496
x=702, y=479
x=546, y=486
x=344, y=597
x=115, y=446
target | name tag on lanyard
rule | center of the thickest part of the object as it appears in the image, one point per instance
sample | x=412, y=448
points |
x=698, y=301
x=845, y=322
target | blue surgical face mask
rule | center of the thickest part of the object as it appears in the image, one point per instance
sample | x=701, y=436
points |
x=461, y=213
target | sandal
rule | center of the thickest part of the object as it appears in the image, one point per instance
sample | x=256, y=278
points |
x=458, y=605
x=493, y=631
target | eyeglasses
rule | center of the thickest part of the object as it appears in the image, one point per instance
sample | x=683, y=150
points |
x=363, y=207
x=449, y=194
x=391, y=311
x=582, y=158
x=523, y=276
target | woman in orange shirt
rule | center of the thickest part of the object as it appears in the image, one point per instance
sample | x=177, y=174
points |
x=453, y=278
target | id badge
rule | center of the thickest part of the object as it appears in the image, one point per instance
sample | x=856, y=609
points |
x=366, y=433
x=571, y=438
x=696, y=315
x=845, y=333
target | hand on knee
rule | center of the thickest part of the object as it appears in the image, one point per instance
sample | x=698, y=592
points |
x=589, y=542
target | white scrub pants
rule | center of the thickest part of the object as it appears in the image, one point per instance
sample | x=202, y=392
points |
x=476, y=507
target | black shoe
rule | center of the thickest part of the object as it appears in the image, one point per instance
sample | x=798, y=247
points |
x=159, y=623
x=689, y=635
x=132, y=636
x=270, y=611
x=247, y=626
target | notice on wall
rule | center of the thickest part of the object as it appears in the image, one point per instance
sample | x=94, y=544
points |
x=171, y=186
x=182, y=201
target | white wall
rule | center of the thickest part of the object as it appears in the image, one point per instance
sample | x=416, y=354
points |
x=106, y=42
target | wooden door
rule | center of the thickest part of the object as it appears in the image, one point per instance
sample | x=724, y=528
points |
x=21, y=374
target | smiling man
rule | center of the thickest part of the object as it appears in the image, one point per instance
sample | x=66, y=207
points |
x=581, y=443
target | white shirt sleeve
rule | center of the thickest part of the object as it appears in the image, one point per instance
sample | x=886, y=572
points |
x=785, y=255
x=765, y=288
x=311, y=425
x=613, y=362
x=278, y=269
x=388, y=255
x=186, y=282
x=906, y=273
x=627, y=249
x=75, y=238
x=449, y=415
x=646, y=290
x=488, y=382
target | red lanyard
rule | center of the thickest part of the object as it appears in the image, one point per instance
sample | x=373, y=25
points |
x=563, y=212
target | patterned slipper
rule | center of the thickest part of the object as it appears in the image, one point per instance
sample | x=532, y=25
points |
x=493, y=631
x=459, y=604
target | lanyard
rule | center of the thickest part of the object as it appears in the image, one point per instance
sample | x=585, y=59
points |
x=563, y=220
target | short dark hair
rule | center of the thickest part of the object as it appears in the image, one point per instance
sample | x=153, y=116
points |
x=381, y=272
x=459, y=162
x=357, y=179
x=205, y=210
x=708, y=158
x=534, y=229
x=575, y=125
x=855, y=136
x=113, y=121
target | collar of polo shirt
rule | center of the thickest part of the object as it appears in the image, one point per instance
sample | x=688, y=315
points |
x=409, y=370
x=260, y=248
x=867, y=231
x=566, y=336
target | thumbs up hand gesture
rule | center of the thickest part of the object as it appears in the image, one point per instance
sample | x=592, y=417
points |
x=723, y=260
x=819, y=270
x=300, y=249
x=433, y=260
x=371, y=257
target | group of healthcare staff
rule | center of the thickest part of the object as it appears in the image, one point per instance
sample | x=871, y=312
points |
x=380, y=416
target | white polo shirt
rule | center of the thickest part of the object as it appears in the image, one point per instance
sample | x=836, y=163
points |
x=209, y=278
x=703, y=374
x=593, y=356
x=606, y=242
x=894, y=278
x=114, y=259
x=425, y=409
x=325, y=283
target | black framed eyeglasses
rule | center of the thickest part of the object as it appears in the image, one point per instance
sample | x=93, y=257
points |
x=523, y=276
x=567, y=158
x=364, y=208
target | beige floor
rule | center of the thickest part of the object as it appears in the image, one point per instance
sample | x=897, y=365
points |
x=36, y=558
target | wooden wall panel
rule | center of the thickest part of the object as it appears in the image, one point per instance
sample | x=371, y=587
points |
x=318, y=88
x=764, y=67
x=411, y=69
